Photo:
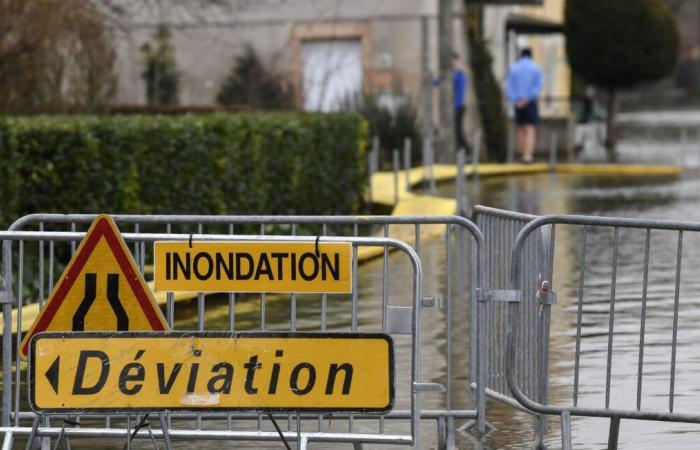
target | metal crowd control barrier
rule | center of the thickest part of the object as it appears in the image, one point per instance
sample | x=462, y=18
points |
x=626, y=268
x=52, y=233
x=500, y=229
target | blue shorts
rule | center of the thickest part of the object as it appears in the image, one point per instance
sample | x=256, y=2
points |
x=527, y=115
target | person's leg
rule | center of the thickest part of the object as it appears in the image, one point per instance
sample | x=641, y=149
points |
x=529, y=142
x=460, y=139
x=520, y=138
x=533, y=118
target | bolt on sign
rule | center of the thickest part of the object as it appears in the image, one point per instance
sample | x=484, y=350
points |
x=100, y=290
x=301, y=267
x=204, y=371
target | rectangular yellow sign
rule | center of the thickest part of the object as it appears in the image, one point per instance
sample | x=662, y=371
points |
x=253, y=267
x=148, y=371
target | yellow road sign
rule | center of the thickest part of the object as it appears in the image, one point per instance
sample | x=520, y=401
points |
x=121, y=372
x=253, y=267
x=100, y=290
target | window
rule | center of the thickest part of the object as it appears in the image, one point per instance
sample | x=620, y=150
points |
x=332, y=73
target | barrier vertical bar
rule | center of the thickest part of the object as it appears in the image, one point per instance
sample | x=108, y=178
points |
x=385, y=298
x=614, y=433
x=611, y=317
x=170, y=297
x=643, y=315
x=579, y=311
x=324, y=296
x=20, y=301
x=565, y=430
x=448, y=314
x=676, y=299
x=7, y=333
x=544, y=368
x=8, y=441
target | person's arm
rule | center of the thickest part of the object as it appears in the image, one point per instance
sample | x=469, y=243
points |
x=510, y=87
x=537, y=84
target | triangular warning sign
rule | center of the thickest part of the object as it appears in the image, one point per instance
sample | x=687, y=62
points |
x=100, y=290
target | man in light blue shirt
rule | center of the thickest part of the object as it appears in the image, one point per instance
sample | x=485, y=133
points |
x=523, y=87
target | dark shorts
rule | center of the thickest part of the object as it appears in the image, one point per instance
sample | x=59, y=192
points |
x=528, y=115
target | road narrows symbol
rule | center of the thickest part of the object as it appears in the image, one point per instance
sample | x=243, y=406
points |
x=113, y=298
x=91, y=295
x=88, y=299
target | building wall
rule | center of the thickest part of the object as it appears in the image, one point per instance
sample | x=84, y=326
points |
x=207, y=40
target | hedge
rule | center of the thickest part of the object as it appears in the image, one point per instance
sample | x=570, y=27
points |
x=249, y=163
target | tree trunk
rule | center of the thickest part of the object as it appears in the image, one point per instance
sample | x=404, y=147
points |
x=611, y=132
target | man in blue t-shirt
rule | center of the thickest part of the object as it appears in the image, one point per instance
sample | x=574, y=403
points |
x=523, y=87
x=460, y=82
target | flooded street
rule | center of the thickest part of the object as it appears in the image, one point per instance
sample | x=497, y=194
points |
x=669, y=198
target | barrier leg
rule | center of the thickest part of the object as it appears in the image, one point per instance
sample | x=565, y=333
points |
x=7, y=441
x=540, y=430
x=451, y=445
x=614, y=433
x=302, y=442
x=442, y=434
x=32, y=434
x=166, y=431
x=565, y=431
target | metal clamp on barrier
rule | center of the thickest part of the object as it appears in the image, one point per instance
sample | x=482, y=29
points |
x=498, y=295
x=545, y=295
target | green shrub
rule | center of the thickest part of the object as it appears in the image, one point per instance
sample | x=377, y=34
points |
x=160, y=72
x=251, y=84
x=257, y=163
x=391, y=121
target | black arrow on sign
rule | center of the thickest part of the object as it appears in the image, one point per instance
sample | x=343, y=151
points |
x=52, y=374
